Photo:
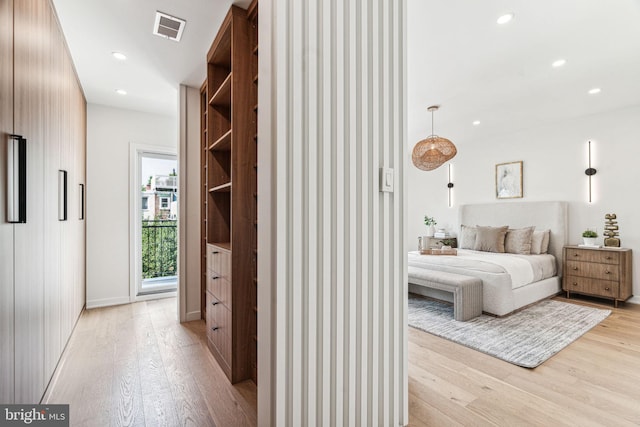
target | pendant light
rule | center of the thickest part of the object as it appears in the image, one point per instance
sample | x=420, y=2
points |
x=433, y=151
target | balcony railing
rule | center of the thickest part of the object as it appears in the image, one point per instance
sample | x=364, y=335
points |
x=159, y=249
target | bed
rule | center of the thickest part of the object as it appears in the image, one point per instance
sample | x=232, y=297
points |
x=510, y=281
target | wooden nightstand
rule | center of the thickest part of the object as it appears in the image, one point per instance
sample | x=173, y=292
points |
x=436, y=242
x=600, y=272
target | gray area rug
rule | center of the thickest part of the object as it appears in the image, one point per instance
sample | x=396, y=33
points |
x=526, y=338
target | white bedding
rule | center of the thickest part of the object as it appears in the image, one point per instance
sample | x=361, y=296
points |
x=522, y=269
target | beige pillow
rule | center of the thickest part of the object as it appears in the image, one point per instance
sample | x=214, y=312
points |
x=490, y=239
x=540, y=242
x=467, y=237
x=518, y=241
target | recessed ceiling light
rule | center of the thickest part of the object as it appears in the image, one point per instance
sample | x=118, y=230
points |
x=559, y=63
x=594, y=91
x=476, y=122
x=121, y=91
x=505, y=18
x=119, y=56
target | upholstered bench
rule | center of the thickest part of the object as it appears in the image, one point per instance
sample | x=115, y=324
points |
x=467, y=290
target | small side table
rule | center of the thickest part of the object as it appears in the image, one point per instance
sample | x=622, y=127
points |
x=436, y=242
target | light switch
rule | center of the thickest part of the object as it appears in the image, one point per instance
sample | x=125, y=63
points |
x=386, y=180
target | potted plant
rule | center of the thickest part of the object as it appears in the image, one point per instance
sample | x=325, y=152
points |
x=589, y=237
x=430, y=222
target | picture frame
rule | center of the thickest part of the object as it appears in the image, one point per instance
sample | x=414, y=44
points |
x=509, y=180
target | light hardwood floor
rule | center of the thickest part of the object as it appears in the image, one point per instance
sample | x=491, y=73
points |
x=135, y=365
x=595, y=381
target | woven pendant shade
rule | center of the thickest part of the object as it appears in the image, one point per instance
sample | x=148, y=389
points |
x=433, y=151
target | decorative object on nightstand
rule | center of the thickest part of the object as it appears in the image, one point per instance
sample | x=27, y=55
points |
x=611, y=231
x=600, y=272
x=436, y=243
x=433, y=151
x=431, y=223
x=589, y=237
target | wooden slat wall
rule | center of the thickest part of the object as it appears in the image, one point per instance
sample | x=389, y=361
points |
x=332, y=295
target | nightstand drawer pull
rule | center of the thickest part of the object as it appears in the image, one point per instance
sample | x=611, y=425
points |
x=608, y=257
x=607, y=288
x=575, y=284
x=215, y=253
x=575, y=268
x=607, y=272
x=576, y=254
x=215, y=328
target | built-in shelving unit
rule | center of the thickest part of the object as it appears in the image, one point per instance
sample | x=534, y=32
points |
x=229, y=205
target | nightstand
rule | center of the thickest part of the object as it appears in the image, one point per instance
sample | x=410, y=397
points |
x=436, y=242
x=600, y=272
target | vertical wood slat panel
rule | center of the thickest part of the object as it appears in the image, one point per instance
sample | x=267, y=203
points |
x=337, y=271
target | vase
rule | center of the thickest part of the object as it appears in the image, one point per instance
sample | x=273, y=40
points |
x=431, y=230
x=590, y=241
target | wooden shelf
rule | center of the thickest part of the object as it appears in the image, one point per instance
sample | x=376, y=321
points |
x=224, y=188
x=222, y=96
x=223, y=143
x=223, y=245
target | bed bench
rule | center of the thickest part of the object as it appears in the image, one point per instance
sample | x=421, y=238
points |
x=467, y=290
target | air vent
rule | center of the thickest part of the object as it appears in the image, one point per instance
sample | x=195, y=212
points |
x=168, y=26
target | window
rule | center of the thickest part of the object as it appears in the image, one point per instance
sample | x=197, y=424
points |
x=145, y=203
x=164, y=203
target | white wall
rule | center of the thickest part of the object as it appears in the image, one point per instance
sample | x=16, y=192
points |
x=332, y=288
x=190, y=255
x=555, y=157
x=109, y=133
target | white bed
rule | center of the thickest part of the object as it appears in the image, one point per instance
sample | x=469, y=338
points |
x=509, y=281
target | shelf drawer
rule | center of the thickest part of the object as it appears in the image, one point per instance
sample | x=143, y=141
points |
x=220, y=288
x=219, y=262
x=597, y=287
x=590, y=255
x=593, y=270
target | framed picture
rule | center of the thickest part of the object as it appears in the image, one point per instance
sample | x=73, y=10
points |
x=509, y=180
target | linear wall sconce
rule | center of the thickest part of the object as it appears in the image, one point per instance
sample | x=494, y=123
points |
x=81, y=201
x=450, y=187
x=16, y=179
x=590, y=171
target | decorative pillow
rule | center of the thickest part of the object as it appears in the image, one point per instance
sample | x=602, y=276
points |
x=467, y=237
x=518, y=241
x=540, y=242
x=490, y=239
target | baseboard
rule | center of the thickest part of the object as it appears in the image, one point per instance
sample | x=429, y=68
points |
x=193, y=315
x=634, y=300
x=106, y=302
x=157, y=295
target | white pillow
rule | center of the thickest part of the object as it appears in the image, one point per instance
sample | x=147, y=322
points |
x=540, y=242
x=467, y=237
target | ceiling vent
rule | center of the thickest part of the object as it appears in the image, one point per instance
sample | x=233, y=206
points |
x=168, y=26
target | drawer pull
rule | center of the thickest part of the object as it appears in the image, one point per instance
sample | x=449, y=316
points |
x=215, y=302
x=607, y=272
x=215, y=328
x=215, y=277
x=575, y=284
x=607, y=288
x=215, y=253
x=576, y=254
x=575, y=268
x=608, y=257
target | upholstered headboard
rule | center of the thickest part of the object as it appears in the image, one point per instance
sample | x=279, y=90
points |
x=544, y=215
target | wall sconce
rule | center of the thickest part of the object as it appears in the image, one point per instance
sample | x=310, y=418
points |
x=16, y=179
x=450, y=187
x=62, y=195
x=590, y=171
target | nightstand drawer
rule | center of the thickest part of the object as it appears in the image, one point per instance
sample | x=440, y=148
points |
x=590, y=255
x=593, y=270
x=603, y=288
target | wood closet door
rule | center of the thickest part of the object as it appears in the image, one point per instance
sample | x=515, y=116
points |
x=6, y=229
x=31, y=26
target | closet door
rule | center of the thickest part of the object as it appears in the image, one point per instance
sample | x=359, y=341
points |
x=31, y=26
x=6, y=229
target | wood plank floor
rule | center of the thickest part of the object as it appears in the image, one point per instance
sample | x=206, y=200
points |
x=135, y=365
x=595, y=381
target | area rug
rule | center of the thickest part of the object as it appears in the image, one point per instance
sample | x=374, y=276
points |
x=526, y=338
